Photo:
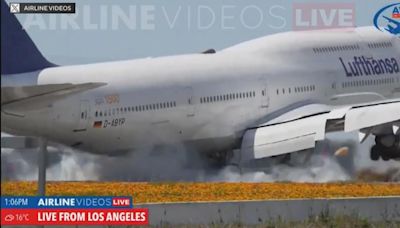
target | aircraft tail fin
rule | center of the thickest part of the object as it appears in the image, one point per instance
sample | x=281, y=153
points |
x=18, y=52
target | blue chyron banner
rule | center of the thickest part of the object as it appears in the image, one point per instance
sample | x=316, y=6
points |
x=71, y=210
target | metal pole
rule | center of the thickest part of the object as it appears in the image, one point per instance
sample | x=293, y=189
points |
x=42, y=162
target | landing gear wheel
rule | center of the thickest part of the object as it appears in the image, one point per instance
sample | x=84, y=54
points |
x=374, y=153
x=217, y=160
x=385, y=156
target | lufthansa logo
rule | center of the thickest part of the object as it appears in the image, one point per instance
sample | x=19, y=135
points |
x=388, y=19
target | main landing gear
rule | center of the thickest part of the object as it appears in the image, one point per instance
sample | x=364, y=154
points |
x=387, y=147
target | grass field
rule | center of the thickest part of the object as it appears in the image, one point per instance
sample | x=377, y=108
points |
x=182, y=192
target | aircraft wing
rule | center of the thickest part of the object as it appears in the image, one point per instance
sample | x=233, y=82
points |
x=23, y=98
x=302, y=127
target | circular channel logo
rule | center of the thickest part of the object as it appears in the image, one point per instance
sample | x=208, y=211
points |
x=387, y=19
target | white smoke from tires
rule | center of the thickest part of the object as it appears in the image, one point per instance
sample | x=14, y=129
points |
x=172, y=165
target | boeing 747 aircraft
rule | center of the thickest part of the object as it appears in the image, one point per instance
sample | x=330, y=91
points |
x=266, y=97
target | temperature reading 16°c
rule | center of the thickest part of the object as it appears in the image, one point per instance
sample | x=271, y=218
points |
x=16, y=201
x=22, y=217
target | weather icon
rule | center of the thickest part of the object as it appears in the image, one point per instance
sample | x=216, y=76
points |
x=9, y=218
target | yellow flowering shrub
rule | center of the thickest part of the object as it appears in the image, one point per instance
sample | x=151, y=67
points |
x=181, y=192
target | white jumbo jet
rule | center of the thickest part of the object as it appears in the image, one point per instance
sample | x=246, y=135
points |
x=266, y=97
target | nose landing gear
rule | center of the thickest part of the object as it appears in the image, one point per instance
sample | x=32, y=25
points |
x=387, y=147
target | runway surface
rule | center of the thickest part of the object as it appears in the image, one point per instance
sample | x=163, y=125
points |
x=270, y=212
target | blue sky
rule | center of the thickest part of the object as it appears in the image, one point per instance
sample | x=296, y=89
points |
x=159, y=28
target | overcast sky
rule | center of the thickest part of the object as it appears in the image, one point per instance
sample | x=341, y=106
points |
x=104, y=30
